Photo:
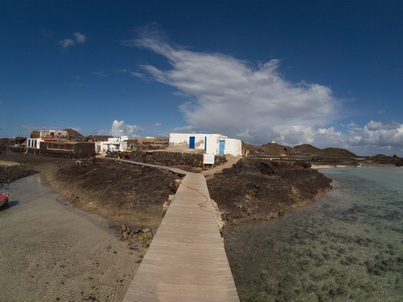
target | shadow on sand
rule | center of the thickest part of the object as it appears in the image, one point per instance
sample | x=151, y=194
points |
x=10, y=204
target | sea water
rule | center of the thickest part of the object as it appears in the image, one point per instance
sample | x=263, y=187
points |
x=348, y=246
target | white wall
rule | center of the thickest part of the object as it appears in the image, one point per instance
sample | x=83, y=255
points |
x=109, y=146
x=34, y=142
x=113, y=144
x=233, y=146
x=213, y=143
x=181, y=140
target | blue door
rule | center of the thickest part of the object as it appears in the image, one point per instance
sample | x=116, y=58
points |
x=191, y=142
x=222, y=147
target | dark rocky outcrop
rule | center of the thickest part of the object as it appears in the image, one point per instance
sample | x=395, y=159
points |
x=11, y=173
x=255, y=189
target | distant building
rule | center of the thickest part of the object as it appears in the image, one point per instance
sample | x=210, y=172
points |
x=35, y=134
x=209, y=143
x=37, y=137
x=66, y=142
x=54, y=135
x=98, y=138
x=34, y=143
x=112, y=144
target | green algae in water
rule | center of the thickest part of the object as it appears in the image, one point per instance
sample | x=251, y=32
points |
x=346, y=247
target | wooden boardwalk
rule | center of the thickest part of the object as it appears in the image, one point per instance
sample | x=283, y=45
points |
x=186, y=260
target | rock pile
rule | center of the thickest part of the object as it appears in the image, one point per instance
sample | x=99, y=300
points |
x=135, y=234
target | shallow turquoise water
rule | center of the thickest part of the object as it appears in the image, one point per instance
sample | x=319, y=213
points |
x=346, y=247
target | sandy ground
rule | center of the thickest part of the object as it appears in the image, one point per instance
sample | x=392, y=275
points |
x=51, y=251
x=231, y=160
x=318, y=167
x=8, y=163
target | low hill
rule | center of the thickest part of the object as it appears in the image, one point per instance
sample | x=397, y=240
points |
x=307, y=149
x=387, y=160
x=268, y=149
x=74, y=135
x=337, y=152
x=327, y=152
x=274, y=149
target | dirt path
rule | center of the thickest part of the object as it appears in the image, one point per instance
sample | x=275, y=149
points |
x=231, y=160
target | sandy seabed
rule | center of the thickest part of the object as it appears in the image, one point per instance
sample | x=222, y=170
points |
x=51, y=251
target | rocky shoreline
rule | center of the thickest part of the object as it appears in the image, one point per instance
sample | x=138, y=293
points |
x=134, y=196
x=257, y=190
x=11, y=171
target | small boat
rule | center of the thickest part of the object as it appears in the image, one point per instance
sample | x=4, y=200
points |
x=4, y=198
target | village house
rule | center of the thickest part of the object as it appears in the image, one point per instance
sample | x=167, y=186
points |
x=68, y=143
x=98, y=138
x=33, y=142
x=112, y=144
x=207, y=143
x=46, y=136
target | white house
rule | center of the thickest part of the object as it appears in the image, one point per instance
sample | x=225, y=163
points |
x=113, y=144
x=210, y=143
x=34, y=142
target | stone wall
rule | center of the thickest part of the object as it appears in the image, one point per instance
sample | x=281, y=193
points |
x=172, y=159
x=64, y=150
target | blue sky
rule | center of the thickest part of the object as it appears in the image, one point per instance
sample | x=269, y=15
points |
x=327, y=73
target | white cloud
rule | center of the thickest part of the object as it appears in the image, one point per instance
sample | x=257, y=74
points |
x=373, y=138
x=120, y=128
x=378, y=135
x=137, y=75
x=103, y=132
x=79, y=38
x=100, y=74
x=66, y=43
x=231, y=97
x=226, y=95
x=133, y=74
x=184, y=129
